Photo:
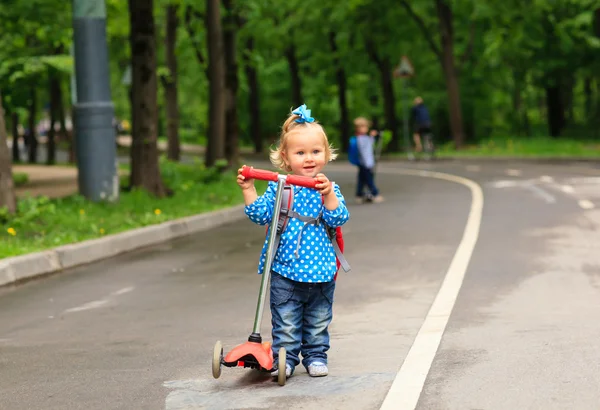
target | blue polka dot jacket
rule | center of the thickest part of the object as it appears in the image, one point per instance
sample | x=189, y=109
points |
x=314, y=260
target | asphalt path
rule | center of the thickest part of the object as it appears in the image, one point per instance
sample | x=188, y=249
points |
x=517, y=327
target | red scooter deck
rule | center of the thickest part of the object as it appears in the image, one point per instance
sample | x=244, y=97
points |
x=249, y=354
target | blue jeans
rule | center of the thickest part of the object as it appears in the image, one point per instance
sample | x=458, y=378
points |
x=301, y=314
x=365, y=177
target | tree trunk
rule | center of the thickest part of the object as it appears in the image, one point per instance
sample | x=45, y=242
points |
x=588, y=102
x=374, y=101
x=145, y=172
x=290, y=55
x=444, y=12
x=520, y=117
x=389, y=101
x=340, y=76
x=556, y=110
x=170, y=85
x=231, y=83
x=16, y=152
x=569, y=82
x=597, y=109
x=389, y=104
x=215, y=149
x=61, y=116
x=7, y=190
x=54, y=108
x=517, y=100
x=65, y=135
x=253, y=96
x=32, y=142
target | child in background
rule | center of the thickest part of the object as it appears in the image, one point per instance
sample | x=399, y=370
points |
x=366, y=154
x=303, y=269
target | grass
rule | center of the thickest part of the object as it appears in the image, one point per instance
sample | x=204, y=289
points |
x=538, y=147
x=20, y=178
x=43, y=223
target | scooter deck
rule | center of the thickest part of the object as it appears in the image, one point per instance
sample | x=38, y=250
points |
x=251, y=354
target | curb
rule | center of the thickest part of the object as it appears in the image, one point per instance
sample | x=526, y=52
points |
x=20, y=268
x=521, y=159
x=495, y=159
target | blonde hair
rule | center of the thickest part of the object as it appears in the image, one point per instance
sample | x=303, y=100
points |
x=362, y=121
x=289, y=127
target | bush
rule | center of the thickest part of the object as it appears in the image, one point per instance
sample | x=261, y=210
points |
x=20, y=179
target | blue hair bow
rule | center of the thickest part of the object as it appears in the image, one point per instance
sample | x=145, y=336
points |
x=304, y=114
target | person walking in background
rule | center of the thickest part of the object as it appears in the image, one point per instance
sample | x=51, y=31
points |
x=422, y=123
x=365, y=143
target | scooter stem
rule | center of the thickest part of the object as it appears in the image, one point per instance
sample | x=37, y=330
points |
x=266, y=275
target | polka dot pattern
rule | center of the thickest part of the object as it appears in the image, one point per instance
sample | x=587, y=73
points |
x=315, y=261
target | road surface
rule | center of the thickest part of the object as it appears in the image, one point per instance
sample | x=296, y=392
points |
x=446, y=307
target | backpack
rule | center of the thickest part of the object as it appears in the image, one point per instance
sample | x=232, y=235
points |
x=353, y=156
x=334, y=234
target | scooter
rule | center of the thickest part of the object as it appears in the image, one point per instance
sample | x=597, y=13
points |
x=255, y=353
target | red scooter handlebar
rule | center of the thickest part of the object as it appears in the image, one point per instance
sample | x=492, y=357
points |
x=264, y=175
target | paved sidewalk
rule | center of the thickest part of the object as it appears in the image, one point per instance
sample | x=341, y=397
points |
x=58, y=181
x=54, y=181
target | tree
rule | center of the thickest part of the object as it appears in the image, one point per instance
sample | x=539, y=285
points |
x=374, y=36
x=170, y=83
x=145, y=172
x=340, y=76
x=215, y=149
x=230, y=27
x=446, y=57
x=7, y=192
x=253, y=95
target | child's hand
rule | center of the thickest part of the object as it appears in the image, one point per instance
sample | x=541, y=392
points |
x=373, y=133
x=243, y=182
x=324, y=186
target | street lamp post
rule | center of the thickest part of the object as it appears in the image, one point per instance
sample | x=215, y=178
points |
x=405, y=70
x=93, y=111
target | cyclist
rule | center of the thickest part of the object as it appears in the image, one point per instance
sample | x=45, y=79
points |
x=422, y=125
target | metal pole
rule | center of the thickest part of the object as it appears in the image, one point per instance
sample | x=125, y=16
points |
x=405, y=118
x=93, y=112
x=264, y=283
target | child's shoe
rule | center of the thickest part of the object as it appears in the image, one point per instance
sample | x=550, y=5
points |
x=378, y=199
x=317, y=369
x=288, y=371
x=360, y=200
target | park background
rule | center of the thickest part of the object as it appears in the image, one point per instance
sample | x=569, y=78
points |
x=511, y=78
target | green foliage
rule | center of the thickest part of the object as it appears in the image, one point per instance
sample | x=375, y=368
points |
x=20, y=178
x=505, y=51
x=25, y=68
x=538, y=147
x=43, y=223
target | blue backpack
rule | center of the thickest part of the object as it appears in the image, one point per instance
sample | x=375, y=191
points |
x=353, y=152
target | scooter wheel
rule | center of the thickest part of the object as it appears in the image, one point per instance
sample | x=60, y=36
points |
x=217, y=359
x=281, y=377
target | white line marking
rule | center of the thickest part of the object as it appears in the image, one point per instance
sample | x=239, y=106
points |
x=547, y=179
x=585, y=180
x=567, y=189
x=546, y=196
x=122, y=291
x=585, y=204
x=506, y=184
x=99, y=303
x=87, y=306
x=513, y=172
x=408, y=384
